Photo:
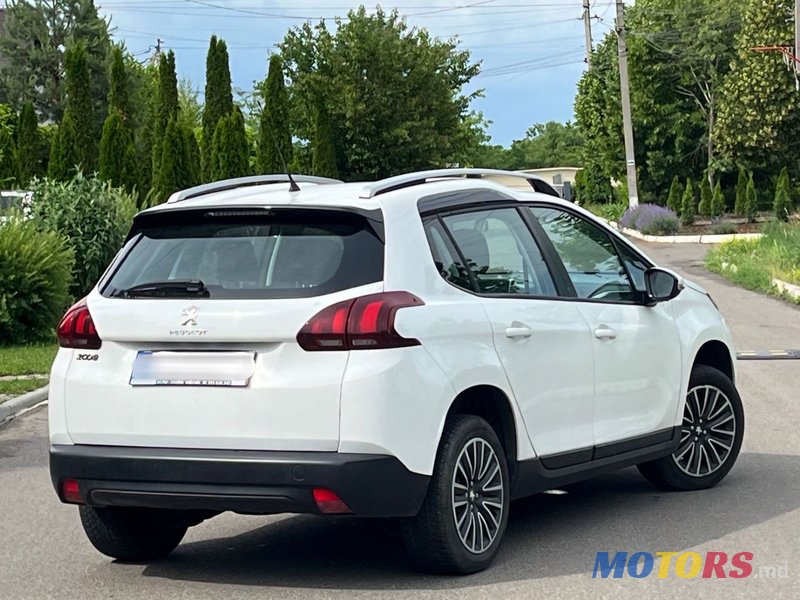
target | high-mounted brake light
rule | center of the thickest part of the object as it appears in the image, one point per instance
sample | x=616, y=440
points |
x=77, y=329
x=363, y=323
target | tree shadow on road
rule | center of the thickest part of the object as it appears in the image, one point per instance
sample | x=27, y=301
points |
x=548, y=535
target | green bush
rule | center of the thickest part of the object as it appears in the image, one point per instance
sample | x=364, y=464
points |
x=750, y=208
x=688, y=204
x=723, y=228
x=675, y=193
x=92, y=215
x=783, y=196
x=662, y=226
x=706, y=198
x=35, y=276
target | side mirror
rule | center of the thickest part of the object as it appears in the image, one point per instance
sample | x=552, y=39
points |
x=661, y=285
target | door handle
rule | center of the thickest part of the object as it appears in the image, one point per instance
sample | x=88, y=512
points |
x=604, y=332
x=518, y=330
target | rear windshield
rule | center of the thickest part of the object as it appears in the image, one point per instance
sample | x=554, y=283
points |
x=294, y=254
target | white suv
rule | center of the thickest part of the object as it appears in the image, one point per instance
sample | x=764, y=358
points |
x=430, y=346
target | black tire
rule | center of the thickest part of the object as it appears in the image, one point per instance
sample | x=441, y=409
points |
x=670, y=472
x=432, y=537
x=132, y=534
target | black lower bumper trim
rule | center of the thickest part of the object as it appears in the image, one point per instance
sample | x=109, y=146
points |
x=249, y=481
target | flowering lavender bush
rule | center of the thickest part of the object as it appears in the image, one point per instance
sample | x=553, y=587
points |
x=651, y=219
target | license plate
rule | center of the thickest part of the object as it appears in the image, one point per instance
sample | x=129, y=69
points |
x=220, y=369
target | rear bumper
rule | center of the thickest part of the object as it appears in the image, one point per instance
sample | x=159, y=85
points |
x=257, y=482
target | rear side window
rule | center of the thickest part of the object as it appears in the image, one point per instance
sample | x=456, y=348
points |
x=286, y=254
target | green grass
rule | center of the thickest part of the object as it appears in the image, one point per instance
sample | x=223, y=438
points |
x=21, y=386
x=27, y=360
x=611, y=211
x=753, y=264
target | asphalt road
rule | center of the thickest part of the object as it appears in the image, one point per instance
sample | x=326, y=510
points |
x=551, y=542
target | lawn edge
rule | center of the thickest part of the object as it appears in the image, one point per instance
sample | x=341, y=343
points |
x=14, y=407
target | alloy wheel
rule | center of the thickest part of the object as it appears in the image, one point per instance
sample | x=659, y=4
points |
x=708, y=431
x=477, y=493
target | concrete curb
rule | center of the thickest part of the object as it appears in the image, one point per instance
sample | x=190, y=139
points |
x=787, y=288
x=685, y=239
x=15, y=406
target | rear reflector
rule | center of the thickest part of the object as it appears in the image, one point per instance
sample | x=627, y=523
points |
x=77, y=329
x=329, y=503
x=363, y=323
x=71, y=491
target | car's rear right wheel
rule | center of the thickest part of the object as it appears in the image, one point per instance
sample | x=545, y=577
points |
x=132, y=534
x=465, y=513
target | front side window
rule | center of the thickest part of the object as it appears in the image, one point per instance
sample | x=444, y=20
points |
x=500, y=252
x=588, y=254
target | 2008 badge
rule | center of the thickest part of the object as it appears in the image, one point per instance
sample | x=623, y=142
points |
x=88, y=356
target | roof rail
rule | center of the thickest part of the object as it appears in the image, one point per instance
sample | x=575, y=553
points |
x=232, y=184
x=401, y=181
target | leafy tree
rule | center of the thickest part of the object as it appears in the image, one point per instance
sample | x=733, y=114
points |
x=741, y=193
x=688, y=204
x=32, y=49
x=547, y=145
x=230, y=153
x=705, y=208
x=783, y=196
x=118, y=156
x=674, y=198
x=79, y=140
x=395, y=94
x=718, y=204
x=274, y=137
x=750, y=208
x=759, y=125
x=29, y=141
x=218, y=97
x=324, y=148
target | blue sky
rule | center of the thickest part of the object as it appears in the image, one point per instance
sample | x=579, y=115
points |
x=531, y=51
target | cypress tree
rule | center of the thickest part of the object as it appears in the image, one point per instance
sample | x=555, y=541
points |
x=193, y=174
x=79, y=140
x=705, y=198
x=688, y=204
x=323, y=158
x=274, y=136
x=718, y=201
x=118, y=163
x=29, y=164
x=64, y=158
x=8, y=164
x=783, y=196
x=674, y=198
x=218, y=99
x=229, y=149
x=167, y=107
x=750, y=207
x=741, y=193
x=170, y=175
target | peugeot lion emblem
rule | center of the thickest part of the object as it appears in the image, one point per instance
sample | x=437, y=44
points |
x=189, y=316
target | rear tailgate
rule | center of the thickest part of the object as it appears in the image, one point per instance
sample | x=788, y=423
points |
x=223, y=371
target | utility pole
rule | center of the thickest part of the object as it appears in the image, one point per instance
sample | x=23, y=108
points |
x=627, y=123
x=156, y=58
x=587, y=26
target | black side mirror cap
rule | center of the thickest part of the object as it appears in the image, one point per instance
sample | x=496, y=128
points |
x=662, y=286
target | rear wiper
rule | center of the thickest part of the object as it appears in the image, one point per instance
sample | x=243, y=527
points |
x=166, y=289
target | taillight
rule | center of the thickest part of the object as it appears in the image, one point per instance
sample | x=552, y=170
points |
x=363, y=323
x=77, y=329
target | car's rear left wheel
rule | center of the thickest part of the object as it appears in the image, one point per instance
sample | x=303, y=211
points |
x=132, y=534
x=465, y=513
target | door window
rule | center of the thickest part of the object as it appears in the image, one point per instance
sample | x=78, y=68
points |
x=588, y=254
x=500, y=252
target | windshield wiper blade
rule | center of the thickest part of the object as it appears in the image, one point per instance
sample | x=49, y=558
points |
x=166, y=289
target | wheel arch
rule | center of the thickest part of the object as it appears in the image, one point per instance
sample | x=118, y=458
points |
x=715, y=353
x=494, y=406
